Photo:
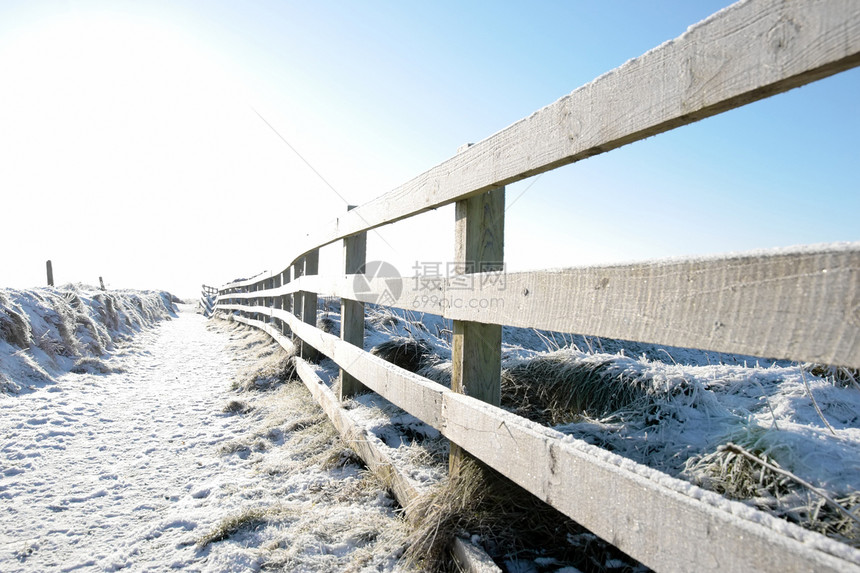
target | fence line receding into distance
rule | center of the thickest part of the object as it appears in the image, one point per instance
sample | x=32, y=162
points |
x=799, y=305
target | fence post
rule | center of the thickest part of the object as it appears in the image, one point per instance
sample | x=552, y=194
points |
x=352, y=311
x=477, y=348
x=255, y=302
x=298, y=297
x=50, y=273
x=275, y=301
x=286, y=300
x=309, y=301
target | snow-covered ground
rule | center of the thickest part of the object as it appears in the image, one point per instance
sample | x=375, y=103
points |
x=156, y=465
x=132, y=437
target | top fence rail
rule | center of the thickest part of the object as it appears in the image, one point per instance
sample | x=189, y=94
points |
x=746, y=52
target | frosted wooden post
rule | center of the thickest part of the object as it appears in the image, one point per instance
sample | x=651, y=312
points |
x=50, y=273
x=276, y=300
x=308, y=301
x=298, y=296
x=476, y=353
x=286, y=300
x=352, y=311
x=270, y=300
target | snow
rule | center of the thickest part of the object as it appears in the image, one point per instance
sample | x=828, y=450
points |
x=132, y=437
x=132, y=468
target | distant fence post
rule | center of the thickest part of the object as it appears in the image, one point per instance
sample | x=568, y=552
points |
x=352, y=311
x=476, y=353
x=298, y=296
x=309, y=313
x=305, y=303
x=276, y=301
x=50, y=273
x=286, y=300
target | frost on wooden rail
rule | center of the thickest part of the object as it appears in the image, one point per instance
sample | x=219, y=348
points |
x=802, y=305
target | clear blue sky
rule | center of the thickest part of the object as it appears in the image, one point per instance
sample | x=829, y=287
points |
x=130, y=145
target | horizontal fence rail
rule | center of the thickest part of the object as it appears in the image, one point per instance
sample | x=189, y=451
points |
x=801, y=304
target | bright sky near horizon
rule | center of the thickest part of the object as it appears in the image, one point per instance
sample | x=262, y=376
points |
x=132, y=145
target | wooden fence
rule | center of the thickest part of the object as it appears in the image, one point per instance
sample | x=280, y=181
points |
x=206, y=305
x=802, y=305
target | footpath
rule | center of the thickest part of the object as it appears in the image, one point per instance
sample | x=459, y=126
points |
x=161, y=465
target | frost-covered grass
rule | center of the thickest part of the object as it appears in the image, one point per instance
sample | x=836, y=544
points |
x=336, y=514
x=45, y=332
x=681, y=411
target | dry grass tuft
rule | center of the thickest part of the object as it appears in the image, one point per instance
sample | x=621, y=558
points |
x=737, y=477
x=246, y=519
x=407, y=353
x=237, y=407
x=739, y=470
x=268, y=372
x=14, y=328
x=89, y=365
x=327, y=325
x=555, y=388
x=509, y=521
x=841, y=376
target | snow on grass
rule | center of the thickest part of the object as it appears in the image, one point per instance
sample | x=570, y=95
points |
x=149, y=467
x=671, y=409
x=49, y=331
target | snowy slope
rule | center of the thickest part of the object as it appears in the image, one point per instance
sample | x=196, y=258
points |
x=46, y=332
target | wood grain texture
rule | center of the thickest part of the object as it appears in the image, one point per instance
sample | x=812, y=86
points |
x=476, y=348
x=351, y=311
x=479, y=230
x=802, y=306
x=744, y=53
x=665, y=523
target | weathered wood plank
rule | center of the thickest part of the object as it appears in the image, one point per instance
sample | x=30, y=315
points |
x=802, y=305
x=420, y=294
x=746, y=52
x=479, y=245
x=470, y=559
x=476, y=349
x=309, y=299
x=351, y=311
x=357, y=437
x=665, y=523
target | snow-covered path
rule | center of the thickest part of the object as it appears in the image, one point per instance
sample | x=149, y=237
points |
x=102, y=462
x=106, y=472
